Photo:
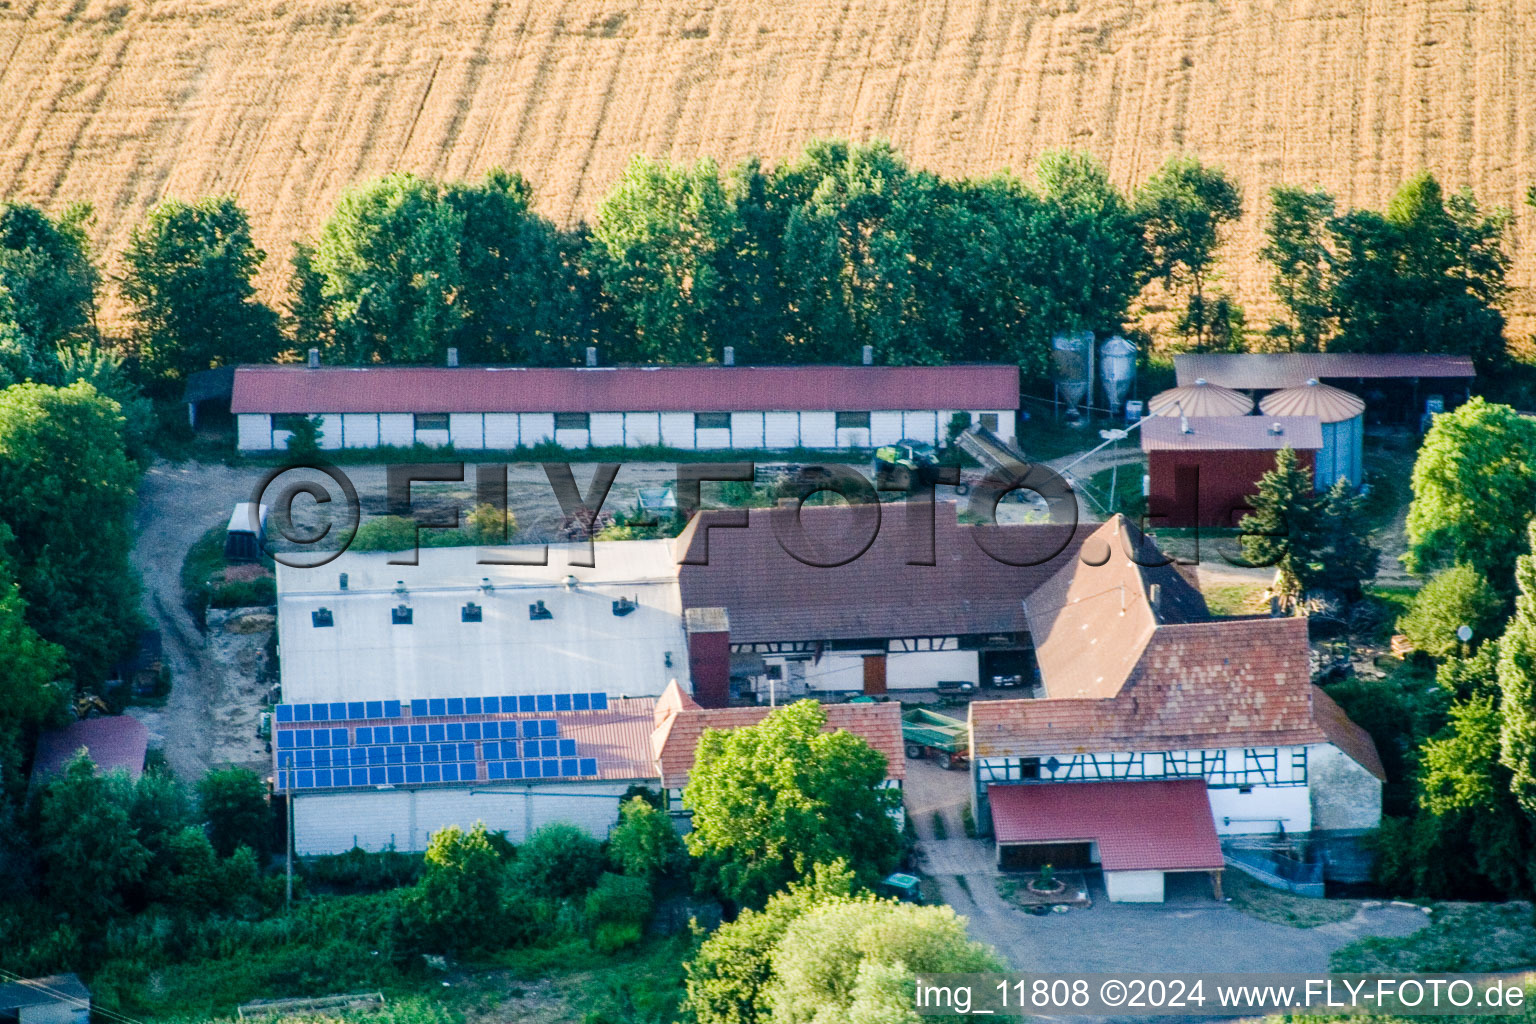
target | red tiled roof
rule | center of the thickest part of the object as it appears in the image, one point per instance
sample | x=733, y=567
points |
x=363, y=389
x=115, y=742
x=676, y=738
x=1269, y=370
x=1228, y=433
x=774, y=596
x=1343, y=733
x=1139, y=826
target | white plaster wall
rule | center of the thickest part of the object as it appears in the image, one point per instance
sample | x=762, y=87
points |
x=747, y=429
x=841, y=671
x=920, y=426
x=713, y=438
x=922, y=670
x=536, y=427
x=501, y=430
x=573, y=438
x=467, y=429
x=1134, y=886
x=361, y=429
x=1005, y=418
x=1289, y=802
x=330, y=430
x=433, y=438
x=397, y=429
x=884, y=428
x=607, y=429
x=677, y=429
x=253, y=431
x=1344, y=795
x=642, y=429
x=818, y=430
x=854, y=437
x=781, y=430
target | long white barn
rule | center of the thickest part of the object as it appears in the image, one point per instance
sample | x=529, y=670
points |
x=684, y=407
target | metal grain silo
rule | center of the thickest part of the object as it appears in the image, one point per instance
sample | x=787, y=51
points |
x=1343, y=417
x=1072, y=358
x=1117, y=368
x=1202, y=398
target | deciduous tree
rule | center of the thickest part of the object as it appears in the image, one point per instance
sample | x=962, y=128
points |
x=45, y=266
x=1517, y=684
x=1452, y=598
x=90, y=851
x=233, y=801
x=1185, y=206
x=1296, y=246
x=457, y=903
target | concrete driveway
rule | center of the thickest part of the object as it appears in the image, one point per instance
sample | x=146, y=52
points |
x=1190, y=932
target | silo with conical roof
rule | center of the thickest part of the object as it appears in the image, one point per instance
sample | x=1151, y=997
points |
x=1202, y=398
x=1343, y=418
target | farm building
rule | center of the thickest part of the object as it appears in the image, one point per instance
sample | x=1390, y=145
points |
x=113, y=742
x=56, y=999
x=686, y=407
x=1342, y=419
x=1142, y=685
x=1202, y=470
x=1397, y=387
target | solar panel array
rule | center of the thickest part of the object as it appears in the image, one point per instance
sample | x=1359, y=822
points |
x=312, y=755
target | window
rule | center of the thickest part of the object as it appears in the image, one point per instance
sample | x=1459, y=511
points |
x=572, y=420
x=712, y=421
x=989, y=421
x=470, y=613
x=431, y=421
x=852, y=419
x=400, y=615
x=321, y=617
x=288, y=420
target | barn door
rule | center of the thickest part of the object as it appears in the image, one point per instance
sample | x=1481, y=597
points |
x=1186, y=496
x=874, y=674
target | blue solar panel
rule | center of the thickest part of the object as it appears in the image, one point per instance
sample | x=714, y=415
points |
x=355, y=709
x=551, y=769
x=284, y=739
x=471, y=730
x=301, y=712
x=418, y=707
x=581, y=701
x=437, y=707
x=375, y=755
x=395, y=773
x=435, y=732
x=322, y=758
x=495, y=770
x=399, y=734
x=599, y=702
x=304, y=759
x=562, y=702
x=546, y=701
x=322, y=778
x=320, y=712
x=568, y=767
x=527, y=703
x=357, y=756
x=450, y=772
x=530, y=727
x=394, y=755
x=508, y=729
x=589, y=766
x=567, y=748
x=492, y=751
x=466, y=751
x=549, y=748
x=455, y=730
x=285, y=712
x=306, y=780
x=514, y=769
x=303, y=737
x=338, y=711
x=375, y=709
x=364, y=735
x=429, y=753
x=376, y=775
x=391, y=709
x=359, y=776
x=418, y=734
x=413, y=773
x=338, y=737
x=413, y=755
x=548, y=727
x=472, y=706
x=431, y=773
x=455, y=705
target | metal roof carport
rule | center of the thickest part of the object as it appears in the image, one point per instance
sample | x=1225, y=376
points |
x=1141, y=830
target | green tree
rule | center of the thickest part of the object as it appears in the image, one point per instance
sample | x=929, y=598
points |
x=728, y=974
x=457, y=903
x=487, y=524
x=1347, y=559
x=45, y=266
x=304, y=436
x=27, y=686
x=856, y=961
x=389, y=257
x=89, y=850
x=1452, y=598
x=233, y=801
x=773, y=799
x=159, y=811
x=1184, y=207
x=1425, y=276
x=1517, y=683
x=1284, y=530
x=1296, y=245
x=104, y=370
x=645, y=844
x=308, y=314
x=187, y=278
x=1474, y=486
x=68, y=494
x=558, y=860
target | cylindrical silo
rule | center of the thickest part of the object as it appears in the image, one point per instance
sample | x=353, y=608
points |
x=1072, y=356
x=1202, y=398
x=1117, y=367
x=1343, y=418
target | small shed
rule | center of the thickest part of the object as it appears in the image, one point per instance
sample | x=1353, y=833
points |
x=1202, y=398
x=243, y=541
x=56, y=999
x=1201, y=470
x=207, y=397
x=1342, y=416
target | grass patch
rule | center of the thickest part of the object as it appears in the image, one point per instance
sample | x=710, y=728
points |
x=204, y=583
x=1258, y=900
x=1119, y=487
x=1236, y=598
x=1459, y=937
x=1044, y=437
x=940, y=830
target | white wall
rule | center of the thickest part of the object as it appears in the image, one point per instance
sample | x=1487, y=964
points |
x=253, y=431
x=920, y=426
x=537, y=427
x=677, y=429
x=361, y=429
x=501, y=430
x=747, y=429
x=397, y=428
x=330, y=430
x=1134, y=886
x=840, y=671
x=922, y=670
x=884, y=428
x=406, y=818
x=818, y=429
x=1268, y=802
x=642, y=429
x=432, y=438
x=467, y=429
x=781, y=429
x=853, y=437
x=607, y=429
x=573, y=438
x=1344, y=795
x=711, y=437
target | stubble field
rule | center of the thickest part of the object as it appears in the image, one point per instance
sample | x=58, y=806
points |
x=286, y=102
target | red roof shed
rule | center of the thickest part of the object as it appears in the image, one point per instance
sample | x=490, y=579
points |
x=1203, y=476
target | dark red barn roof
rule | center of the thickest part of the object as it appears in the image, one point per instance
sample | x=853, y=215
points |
x=332, y=389
x=113, y=743
x=1139, y=826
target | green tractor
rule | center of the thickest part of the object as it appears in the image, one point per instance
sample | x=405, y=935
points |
x=898, y=466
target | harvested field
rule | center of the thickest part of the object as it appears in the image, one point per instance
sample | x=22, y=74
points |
x=122, y=102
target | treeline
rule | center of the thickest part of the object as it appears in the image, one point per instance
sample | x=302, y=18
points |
x=805, y=261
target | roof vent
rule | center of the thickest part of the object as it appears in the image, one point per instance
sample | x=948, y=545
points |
x=1201, y=382
x=470, y=612
x=400, y=588
x=321, y=617
x=571, y=582
x=453, y=357
x=314, y=358
x=343, y=581
x=1276, y=428
x=1184, y=427
x=729, y=357
x=400, y=615
x=538, y=612
x=623, y=606
x=869, y=355
x=486, y=584
x=591, y=355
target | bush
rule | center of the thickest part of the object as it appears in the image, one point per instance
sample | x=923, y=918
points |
x=1454, y=597
x=357, y=870
x=244, y=593
x=558, y=860
x=234, y=803
x=619, y=898
x=612, y=936
x=644, y=843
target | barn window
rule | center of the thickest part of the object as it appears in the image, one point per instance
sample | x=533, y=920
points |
x=431, y=421
x=712, y=421
x=853, y=419
x=989, y=421
x=400, y=615
x=321, y=617
x=289, y=420
x=573, y=421
x=470, y=613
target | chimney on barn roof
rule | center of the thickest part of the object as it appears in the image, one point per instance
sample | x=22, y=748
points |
x=314, y=358
x=869, y=355
x=453, y=357
x=591, y=355
x=1276, y=428
x=729, y=357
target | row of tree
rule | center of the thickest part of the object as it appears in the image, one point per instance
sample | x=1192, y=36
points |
x=805, y=261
